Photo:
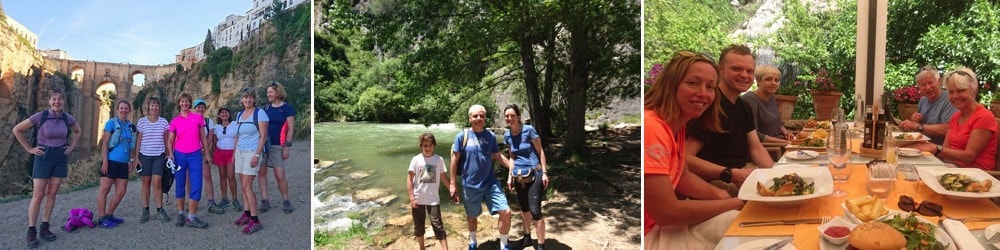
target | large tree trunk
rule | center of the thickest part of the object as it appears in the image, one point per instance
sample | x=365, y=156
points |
x=576, y=96
x=550, y=70
x=539, y=113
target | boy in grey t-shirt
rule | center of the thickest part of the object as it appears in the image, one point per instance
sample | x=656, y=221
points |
x=426, y=173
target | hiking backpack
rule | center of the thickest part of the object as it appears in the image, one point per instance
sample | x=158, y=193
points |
x=45, y=117
x=116, y=136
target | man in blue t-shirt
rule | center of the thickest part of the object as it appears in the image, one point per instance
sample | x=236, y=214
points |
x=478, y=181
x=934, y=111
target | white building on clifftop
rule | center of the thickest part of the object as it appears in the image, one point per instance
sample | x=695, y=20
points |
x=24, y=32
x=235, y=29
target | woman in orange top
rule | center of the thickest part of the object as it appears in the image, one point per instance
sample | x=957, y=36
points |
x=971, y=141
x=685, y=89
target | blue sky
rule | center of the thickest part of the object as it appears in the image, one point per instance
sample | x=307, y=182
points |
x=122, y=31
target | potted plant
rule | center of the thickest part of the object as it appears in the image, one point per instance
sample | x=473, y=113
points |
x=825, y=90
x=786, y=96
x=906, y=101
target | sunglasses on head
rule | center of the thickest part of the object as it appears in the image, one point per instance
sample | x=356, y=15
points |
x=925, y=208
x=689, y=54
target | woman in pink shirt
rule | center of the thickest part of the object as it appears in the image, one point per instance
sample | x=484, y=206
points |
x=184, y=147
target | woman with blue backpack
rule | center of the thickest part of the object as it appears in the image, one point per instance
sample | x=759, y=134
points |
x=118, y=142
x=251, y=134
x=50, y=145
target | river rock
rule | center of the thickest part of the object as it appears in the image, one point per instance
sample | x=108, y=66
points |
x=370, y=194
x=385, y=200
x=360, y=175
x=400, y=221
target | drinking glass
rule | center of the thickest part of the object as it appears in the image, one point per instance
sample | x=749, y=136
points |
x=890, y=147
x=838, y=151
x=908, y=172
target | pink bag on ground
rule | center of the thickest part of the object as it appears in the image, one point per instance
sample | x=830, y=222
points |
x=79, y=217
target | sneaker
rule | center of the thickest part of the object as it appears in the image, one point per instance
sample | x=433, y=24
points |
x=472, y=246
x=45, y=233
x=287, y=206
x=212, y=208
x=224, y=203
x=32, y=239
x=264, y=206
x=145, y=216
x=526, y=241
x=180, y=220
x=252, y=227
x=237, y=206
x=106, y=222
x=196, y=223
x=243, y=220
x=163, y=215
x=116, y=220
x=539, y=247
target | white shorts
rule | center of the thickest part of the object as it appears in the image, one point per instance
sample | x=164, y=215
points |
x=242, y=159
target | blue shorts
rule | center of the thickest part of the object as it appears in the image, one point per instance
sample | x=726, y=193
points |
x=52, y=163
x=190, y=168
x=495, y=199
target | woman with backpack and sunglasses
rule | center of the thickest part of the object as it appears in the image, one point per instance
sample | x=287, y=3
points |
x=50, y=148
x=528, y=175
x=117, y=145
x=251, y=131
x=224, y=136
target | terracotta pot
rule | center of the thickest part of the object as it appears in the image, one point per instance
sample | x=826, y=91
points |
x=905, y=110
x=786, y=106
x=824, y=102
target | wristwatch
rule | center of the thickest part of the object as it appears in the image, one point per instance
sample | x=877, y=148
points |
x=726, y=175
x=939, y=148
x=288, y=144
x=920, y=127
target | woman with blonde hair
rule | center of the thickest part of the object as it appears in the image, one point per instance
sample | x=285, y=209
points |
x=151, y=141
x=765, y=107
x=281, y=115
x=971, y=141
x=251, y=133
x=686, y=89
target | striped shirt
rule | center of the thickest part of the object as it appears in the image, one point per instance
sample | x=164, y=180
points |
x=152, y=143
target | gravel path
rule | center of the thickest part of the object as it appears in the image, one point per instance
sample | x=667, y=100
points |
x=281, y=231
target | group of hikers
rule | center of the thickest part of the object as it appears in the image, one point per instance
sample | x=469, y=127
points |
x=157, y=150
x=472, y=156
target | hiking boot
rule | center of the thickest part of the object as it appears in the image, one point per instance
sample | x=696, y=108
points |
x=180, y=220
x=116, y=220
x=243, y=220
x=32, y=238
x=163, y=215
x=145, y=216
x=287, y=206
x=106, y=222
x=237, y=206
x=196, y=223
x=45, y=233
x=539, y=247
x=526, y=241
x=264, y=206
x=224, y=203
x=212, y=208
x=252, y=227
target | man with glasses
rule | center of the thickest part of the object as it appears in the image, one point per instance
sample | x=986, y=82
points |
x=934, y=110
x=723, y=156
x=472, y=154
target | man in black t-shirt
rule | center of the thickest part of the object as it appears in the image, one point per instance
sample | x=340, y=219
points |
x=722, y=156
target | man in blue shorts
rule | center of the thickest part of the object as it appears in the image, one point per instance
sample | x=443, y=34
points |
x=474, y=151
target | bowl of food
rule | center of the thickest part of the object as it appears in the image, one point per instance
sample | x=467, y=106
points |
x=837, y=230
x=865, y=208
x=786, y=186
x=961, y=184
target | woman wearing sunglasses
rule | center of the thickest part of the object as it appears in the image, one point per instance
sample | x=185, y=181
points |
x=224, y=137
x=685, y=89
x=251, y=133
x=971, y=141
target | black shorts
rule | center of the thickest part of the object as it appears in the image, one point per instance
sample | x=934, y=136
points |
x=529, y=196
x=116, y=170
x=52, y=163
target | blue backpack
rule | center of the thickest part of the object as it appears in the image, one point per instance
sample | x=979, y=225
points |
x=117, y=138
x=256, y=126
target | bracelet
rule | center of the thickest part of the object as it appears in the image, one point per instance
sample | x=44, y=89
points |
x=256, y=155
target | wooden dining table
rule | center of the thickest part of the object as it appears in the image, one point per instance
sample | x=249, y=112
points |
x=807, y=236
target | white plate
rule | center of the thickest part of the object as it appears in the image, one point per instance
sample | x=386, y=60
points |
x=789, y=165
x=990, y=231
x=917, y=135
x=909, y=152
x=763, y=243
x=939, y=233
x=820, y=177
x=802, y=154
x=930, y=176
x=836, y=221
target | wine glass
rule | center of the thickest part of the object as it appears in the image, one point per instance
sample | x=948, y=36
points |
x=838, y=151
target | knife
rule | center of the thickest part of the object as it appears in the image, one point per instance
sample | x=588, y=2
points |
x=778, y=245
x=780, y=222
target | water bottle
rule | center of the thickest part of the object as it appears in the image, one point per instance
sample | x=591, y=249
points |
x=841, y=132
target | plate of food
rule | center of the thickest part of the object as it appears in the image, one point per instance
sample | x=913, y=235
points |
x=812, y=124
x=801, y=154
x=960, y=183
x=902, y=231
x=920, y=232
x=786, y=186
x=866, y=208
x=909, y=152
x=816, y=141
x=910, y=136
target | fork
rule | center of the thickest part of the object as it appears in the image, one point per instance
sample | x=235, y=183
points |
x=826, y=219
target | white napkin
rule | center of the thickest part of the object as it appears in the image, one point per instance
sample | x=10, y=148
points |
x=960, y=235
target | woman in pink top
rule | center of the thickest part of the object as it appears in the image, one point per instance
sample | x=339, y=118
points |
x=684, y=90
x=971, y=141
x=184, y=148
